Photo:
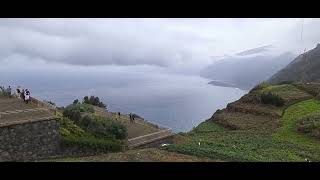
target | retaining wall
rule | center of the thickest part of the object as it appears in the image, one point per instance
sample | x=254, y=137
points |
x=29, y=141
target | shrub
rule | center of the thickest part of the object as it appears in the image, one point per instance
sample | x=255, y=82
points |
x=92, y=143
x=72, y=135
x=76, y=101
x=318, y=97
x=118, y=130
x=68, y=127
x=74, y=114
x=103, y=127
x=310, y=125
x=4, y=91
x=273, y=99
x=74, y=111
x=85, y=120
x=285, y=82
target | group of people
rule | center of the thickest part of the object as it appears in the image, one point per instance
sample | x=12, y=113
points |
x=20, y=93
x=131, y=116
x=23, y=94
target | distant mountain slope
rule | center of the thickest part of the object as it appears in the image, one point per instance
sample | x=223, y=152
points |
x=247, y=70
x=254, y=51
x=304, y=68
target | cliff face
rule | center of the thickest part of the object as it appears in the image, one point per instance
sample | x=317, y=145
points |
x=304, y=68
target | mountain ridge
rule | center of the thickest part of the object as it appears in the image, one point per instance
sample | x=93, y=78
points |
x=304, y=68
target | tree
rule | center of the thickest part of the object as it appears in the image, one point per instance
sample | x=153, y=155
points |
x=95, y=101
x=86, y=100
x=76, y=101
x=91, y=100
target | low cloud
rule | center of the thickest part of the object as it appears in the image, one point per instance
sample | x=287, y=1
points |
x=173, y=43
x=96, y=42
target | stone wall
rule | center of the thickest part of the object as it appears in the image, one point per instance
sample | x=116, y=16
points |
x=29, y=141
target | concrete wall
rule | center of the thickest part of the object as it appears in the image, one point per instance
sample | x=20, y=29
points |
x=29, y=141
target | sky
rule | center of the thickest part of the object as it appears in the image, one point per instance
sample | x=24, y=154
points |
x=156, y=45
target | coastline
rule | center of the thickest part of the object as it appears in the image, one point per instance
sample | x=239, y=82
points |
x=226, y=84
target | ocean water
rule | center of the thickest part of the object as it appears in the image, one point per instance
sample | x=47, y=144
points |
x=177, y=101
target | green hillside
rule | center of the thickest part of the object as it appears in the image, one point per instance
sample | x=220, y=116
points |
x=252, y=130
x=305, y=68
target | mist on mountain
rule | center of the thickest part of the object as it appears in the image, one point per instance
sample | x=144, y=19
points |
x=249, y=67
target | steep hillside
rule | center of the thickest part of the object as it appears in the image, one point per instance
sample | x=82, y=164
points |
x=304, y=68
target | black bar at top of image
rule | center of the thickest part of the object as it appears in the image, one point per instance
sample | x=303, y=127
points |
x=159, y=9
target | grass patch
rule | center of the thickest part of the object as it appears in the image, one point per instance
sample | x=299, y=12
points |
x=240, y=146
x=92, y=142
x=208, y=126
x=288, y=92
x=247, y=121
x=288, y=132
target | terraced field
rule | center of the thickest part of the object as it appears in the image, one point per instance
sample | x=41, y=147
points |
x=249, y=134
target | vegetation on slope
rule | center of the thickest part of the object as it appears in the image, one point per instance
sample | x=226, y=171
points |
x=304, y=68
x=311, y=88
x=95, y=101
x=73, y=135
x=289, y=129
x=236, y=145
x=270, y=138
x=273, y=99
x=288, y=92
x=310, y=125
x=4, y=92
x=83, y=115
x=81, y=127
